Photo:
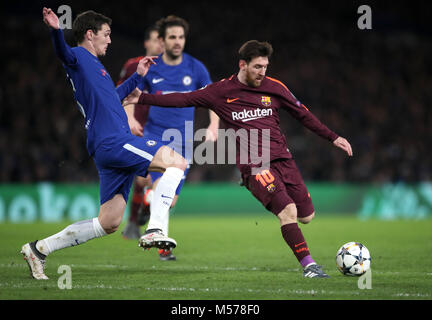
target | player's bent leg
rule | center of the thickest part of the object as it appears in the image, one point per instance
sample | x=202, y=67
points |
x=165, y=255
x=173, y=165
x=307, y=219
x=296, y=241
x=111, y=213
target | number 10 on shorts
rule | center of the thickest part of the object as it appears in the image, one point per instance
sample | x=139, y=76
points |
x=266, y=178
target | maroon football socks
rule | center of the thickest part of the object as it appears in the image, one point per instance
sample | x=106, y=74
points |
x=294, y=238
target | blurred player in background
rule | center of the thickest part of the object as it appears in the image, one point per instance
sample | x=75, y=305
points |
x=119, y=156
x=250, y=101
x=137, y=117
x=175, y=71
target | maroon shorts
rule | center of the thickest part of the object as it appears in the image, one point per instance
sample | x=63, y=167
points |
x=279, y=186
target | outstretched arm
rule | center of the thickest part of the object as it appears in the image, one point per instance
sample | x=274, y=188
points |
x=311, y=122
x=198, y=98
x=62, y=50
x=308, y=119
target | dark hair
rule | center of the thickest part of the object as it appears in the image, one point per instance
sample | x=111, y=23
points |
x=253, y=48
x=148, y=31
x=88, y=20
x=171, y=21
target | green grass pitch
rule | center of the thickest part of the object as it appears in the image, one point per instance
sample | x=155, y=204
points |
x=226, y=257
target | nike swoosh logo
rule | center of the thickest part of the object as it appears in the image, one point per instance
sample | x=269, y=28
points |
x=157, y=80
x=299, y=244
x=232, y=100
x=165, y=197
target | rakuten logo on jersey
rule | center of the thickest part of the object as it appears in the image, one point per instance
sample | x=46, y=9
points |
x=248, y=115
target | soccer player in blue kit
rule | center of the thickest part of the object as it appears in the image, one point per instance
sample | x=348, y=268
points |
x=118, y=154
x=174, y=71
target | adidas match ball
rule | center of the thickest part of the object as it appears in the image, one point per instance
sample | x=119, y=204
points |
x=353, y=259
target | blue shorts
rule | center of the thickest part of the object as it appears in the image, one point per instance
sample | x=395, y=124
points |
x=119, y=161
x=180, y=147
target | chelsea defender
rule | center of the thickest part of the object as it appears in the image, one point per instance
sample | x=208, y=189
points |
x=118, y=154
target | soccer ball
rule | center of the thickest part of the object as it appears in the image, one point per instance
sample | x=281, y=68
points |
x=353, y=259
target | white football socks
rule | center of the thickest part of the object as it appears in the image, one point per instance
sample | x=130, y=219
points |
x=163, y=196
x=72, y=235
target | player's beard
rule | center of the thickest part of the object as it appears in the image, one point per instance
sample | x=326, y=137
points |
x=253, y=80
x=172, y=56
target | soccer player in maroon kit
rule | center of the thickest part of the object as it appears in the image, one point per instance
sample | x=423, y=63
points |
x=250, y=101
x=137, y=117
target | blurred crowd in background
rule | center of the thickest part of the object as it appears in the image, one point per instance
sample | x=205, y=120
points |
x=373, y=87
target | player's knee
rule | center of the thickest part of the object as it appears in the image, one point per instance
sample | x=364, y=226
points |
x=288, y=214
x=307, y=219
x=111, y=228
x=166, y=157
x=181, y=163
x=110, y=225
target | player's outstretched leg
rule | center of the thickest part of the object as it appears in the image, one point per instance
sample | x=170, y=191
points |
x=109, y=219
x=35, y=252
x=296, y=241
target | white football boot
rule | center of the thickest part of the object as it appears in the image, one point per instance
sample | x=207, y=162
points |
x=155, y=238
x=34, y=260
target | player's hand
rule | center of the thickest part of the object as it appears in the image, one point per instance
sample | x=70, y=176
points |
x=144, y=65
x=135, y=127
x=132, y=98
x=343, y=144
x=50, y=18
x=212, y=133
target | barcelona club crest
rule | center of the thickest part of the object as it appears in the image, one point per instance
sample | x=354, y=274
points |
x=271, y=188
x=265, y=101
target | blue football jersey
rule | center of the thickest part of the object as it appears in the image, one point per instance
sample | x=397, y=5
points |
x=95, y=93
x=189, y=75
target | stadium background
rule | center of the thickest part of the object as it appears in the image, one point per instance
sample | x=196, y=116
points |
x=370, y=86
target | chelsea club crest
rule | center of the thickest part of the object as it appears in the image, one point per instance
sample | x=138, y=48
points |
x=187, y=80
x=151, y=143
